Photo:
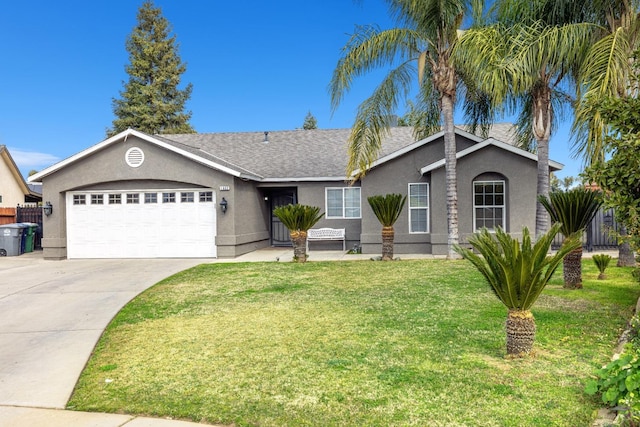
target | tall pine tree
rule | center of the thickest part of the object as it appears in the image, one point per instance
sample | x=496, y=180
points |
x=151, y=101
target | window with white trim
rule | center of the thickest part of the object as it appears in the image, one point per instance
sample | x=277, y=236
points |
x=97, y=199
x=343, y=203
x=168, y=197
x=79, y=199
x=206, y=196
x=419, y=207
x=186, y=197
x=115, y=199
x=489, y=208
x=151, y=197
x=133, y=198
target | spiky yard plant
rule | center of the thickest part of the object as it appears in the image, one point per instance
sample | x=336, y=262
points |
x=387, y=209
x=298, y=219
x=517, y=274
x=574, y=210
x=602, y=262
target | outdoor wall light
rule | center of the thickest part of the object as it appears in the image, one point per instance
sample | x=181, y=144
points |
x=223, y=205
x=47, y=209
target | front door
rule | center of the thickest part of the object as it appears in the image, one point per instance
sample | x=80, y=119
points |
x=280, y=233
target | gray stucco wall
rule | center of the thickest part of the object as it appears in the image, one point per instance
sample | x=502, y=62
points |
x=393, y=177
x=245, y=227
x=520, y=175
x=313, y=194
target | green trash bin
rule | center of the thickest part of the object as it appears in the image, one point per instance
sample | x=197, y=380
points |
x=29, y=235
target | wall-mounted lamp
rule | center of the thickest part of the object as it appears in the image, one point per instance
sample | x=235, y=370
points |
x=47, y=209
x=223, y=205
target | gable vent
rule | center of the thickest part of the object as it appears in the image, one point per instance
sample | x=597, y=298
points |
x=134, y=157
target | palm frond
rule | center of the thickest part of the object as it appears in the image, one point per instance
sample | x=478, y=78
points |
x=435, y=18
x=371, y=48
x=573, y=209
x=605, y=74
x=516, y=272
x=298, y=217
x=372, y=120
x=387, y=208
x=607, y=66
x=539, y=50
x=480, y=55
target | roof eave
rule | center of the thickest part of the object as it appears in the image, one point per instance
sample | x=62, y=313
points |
x=306, y=179
x=14, y=170
x=499, y=144
x=124, y=135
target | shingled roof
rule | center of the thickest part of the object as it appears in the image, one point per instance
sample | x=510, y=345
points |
x=315, y=154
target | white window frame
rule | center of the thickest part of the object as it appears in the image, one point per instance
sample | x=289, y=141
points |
x=416, y=208
x=503, y=205
x=344, y=190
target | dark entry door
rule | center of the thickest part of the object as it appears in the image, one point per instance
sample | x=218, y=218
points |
x=279, y=233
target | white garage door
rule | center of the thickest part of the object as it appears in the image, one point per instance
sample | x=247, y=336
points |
x=141, y=224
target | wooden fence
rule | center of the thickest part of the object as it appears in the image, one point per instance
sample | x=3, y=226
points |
x=7, y=216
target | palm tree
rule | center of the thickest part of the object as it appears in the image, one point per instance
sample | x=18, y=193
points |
x=421, y=47
x=517, y=274
x=607, y=72
x=573, y=210
x=525, y=64
x=387, y=209
x=298, y=219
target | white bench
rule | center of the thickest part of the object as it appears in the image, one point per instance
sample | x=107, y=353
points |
x=317, y=234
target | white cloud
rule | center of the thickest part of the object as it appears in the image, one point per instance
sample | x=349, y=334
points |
x=28, y=160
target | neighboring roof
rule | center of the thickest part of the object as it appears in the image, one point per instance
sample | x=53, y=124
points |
x=279, y=156
x=6, y=156
x=35, y=189
x=499, y=144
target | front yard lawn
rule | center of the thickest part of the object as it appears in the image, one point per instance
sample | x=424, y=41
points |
x=355, y=343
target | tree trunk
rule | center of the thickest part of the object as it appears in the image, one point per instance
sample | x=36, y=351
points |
x=387, y=243
x=299, y=240
x=451, y=177
x=542, y=115
x=521, y=332
x=626, y=257
x=572, y=265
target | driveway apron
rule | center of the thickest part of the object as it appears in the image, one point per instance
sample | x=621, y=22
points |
x=53, y=312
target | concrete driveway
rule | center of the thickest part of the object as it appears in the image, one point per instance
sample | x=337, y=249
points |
x=52, y=314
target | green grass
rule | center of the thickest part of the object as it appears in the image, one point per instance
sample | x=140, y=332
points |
x=354, y=343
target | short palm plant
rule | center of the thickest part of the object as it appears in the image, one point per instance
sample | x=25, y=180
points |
x=387, y=209
x=602, y=262
x=298, y=219
x=517, y=274
x=574, y=210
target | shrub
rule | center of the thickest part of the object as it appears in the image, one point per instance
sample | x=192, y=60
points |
x=619, y=384
x=602, y=262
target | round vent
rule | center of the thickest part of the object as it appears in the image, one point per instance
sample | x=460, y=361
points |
x=134, y=157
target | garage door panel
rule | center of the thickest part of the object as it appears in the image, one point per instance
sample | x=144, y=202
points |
x=141, y=230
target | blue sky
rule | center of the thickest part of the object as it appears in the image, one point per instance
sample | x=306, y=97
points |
x=254, y=66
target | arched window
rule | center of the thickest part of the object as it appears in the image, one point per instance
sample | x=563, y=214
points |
x=489, y=204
